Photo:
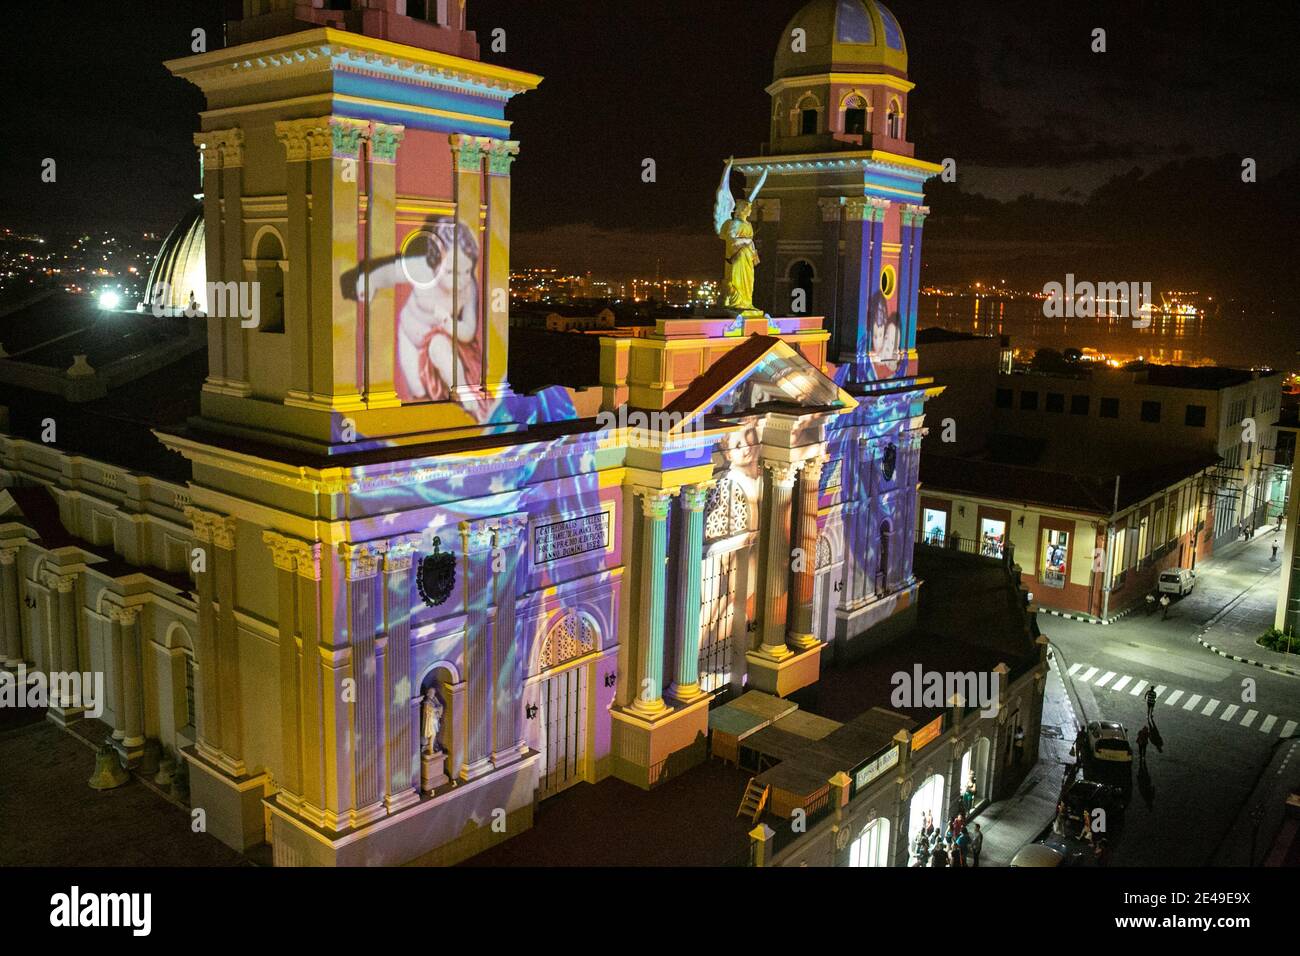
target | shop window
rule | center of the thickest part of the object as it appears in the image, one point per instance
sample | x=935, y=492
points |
x=1109, y=408
x=1003, y=398
x=1055, y=402
x=1194, y=416
x=1079, y=404
x=1029, y=401
x=1150, y=412
x=1055, y=551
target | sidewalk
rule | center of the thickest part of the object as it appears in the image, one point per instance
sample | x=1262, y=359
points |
x=1010, y=824
x=1232, y=633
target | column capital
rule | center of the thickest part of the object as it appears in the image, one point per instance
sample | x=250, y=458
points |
x=865, y=208
x=346, y=135
x=399, y=556
x=65, y=583
x=384, y=140
x=222, y=148
x=8, y=555
x=126, y=615
x=914, y=214
x=305, y=138
x=360, y=561
x=694, y=497
x=212, y=528
x=283, y=550
x=467, y=151
x=655, y=502
x=812, y=467
x=783, y=472
x=501, y=153
x=832, y=208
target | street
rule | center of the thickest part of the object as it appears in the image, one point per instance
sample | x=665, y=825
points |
x=1224, y=725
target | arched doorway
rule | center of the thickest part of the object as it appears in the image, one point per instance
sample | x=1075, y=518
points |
x=824, y=592
x=928, y=799
x=563, y=701
x=871, y=848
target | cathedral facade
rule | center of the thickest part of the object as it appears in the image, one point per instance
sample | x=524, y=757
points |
x=395, y=604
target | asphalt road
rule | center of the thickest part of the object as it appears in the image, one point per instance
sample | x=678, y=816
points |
x=1222, y=723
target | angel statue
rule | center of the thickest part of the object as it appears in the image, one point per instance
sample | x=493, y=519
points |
x=731, y=223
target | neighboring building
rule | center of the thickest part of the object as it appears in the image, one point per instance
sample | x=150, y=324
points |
x=967, y=365
x=1089, y=543
x=564, y=319
x=1163, y=410
x=1287, y=619
x=286, y=551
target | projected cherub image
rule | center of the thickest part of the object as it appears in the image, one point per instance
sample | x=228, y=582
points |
x=440, y=267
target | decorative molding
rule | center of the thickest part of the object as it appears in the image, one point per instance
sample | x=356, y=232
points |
x=225, y=146
x=694, y=497
x=655, y=502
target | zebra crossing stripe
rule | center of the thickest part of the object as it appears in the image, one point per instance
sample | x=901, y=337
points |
x=1288, y=729
x=1088, y=676
x=1160, y=689
x=1173, y=698
x=1229, y=711
x=1137, y=688
x=1121, y=683
x=1249, y=718
x=1209, y=708
x=1268, y=723
x=1074, y=669
x=1192, y=701
x=1105, y=679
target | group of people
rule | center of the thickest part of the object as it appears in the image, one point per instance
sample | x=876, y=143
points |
x=955, y=846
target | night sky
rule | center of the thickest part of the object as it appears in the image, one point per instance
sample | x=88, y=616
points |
x=1067, y=159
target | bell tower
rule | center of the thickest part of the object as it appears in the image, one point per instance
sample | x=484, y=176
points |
x=839, y=223
x=356, y=166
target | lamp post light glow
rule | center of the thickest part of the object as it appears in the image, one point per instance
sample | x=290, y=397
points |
x=109, y=299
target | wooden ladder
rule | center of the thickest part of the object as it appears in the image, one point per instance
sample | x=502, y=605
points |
x=754, y=800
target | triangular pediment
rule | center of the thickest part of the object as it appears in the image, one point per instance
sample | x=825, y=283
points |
x=761, y=372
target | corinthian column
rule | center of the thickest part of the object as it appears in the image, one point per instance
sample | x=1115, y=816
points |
x=777, y=576
x=686, y=687
x=802, y=637
x=649, y=699
x=128, y=645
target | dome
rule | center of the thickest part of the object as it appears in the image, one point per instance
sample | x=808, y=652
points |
x=843, y=36
x=181, y=265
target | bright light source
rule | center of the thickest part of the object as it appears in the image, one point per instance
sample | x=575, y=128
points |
x=109, y=300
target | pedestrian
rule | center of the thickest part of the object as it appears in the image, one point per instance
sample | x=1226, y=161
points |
x=976, y=845
x=1274, y=558
x=939, y=857
x=1151, y=702
x=1058, y=826
x=963, y=844
x=1143, y=736
x=1019, y=744
x=1101, y=852
x=1164, y=606
x=1151, y=602
x=968, y=795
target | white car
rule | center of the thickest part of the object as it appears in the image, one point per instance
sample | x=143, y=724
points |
x=1107, y=740
x=1178, y=581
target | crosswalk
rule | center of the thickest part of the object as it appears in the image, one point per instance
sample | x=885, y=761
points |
x=1195, y=703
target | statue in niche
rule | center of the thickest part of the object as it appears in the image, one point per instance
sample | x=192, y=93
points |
x=431, y=714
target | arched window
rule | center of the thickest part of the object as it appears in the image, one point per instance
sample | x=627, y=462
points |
x=894, y=120
x=805, y=114
x=801, y=279
x=726, y=511
x=871, y=848
x=269, y=256
x=855, y=116
x=569, y=638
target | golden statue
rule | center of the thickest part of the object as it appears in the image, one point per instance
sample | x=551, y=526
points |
x=731, y=223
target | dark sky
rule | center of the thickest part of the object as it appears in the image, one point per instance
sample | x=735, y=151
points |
x=1067, y=159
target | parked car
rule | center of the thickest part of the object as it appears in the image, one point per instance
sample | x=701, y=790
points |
x=1051, y=851
x=1178, y=581
x=1085, y=796
x=1107, y=740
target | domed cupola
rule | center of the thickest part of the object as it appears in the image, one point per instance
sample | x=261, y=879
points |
x=179, y=275
x=840, y=80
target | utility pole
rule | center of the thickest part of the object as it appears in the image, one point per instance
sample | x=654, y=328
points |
x=1108, y=580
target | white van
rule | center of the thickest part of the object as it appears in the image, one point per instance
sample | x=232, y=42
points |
x=1177, y=581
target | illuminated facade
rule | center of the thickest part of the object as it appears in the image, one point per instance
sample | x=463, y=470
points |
x=419, y=600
